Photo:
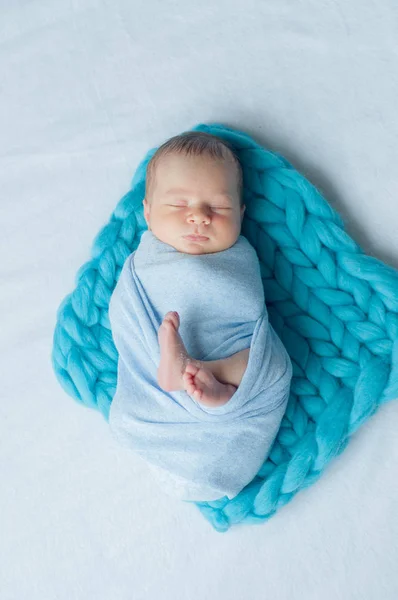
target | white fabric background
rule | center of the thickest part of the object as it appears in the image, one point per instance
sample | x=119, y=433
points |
x=86, y=88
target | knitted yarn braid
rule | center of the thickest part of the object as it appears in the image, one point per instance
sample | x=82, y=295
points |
x=334, y=308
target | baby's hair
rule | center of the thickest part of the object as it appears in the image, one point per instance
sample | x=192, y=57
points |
x=197, y=143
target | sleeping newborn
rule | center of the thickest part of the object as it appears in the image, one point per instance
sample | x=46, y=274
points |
x=203, y=379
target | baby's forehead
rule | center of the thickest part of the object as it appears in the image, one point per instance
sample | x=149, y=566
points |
x=174, y=170
x=181, y=161
x=183, y=158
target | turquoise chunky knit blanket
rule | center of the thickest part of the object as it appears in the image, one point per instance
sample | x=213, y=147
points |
x=334, y=308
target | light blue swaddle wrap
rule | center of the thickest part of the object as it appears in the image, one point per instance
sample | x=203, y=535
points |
x=199, y=453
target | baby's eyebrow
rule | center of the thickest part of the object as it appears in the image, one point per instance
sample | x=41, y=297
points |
x=182, y=191
x=177, y=191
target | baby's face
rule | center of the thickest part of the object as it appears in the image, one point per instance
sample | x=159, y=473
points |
x=194, y=195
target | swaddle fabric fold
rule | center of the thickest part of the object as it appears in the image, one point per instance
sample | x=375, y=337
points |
x=198, y=453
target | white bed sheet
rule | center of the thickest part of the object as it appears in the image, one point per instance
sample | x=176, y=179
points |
x=86, y=88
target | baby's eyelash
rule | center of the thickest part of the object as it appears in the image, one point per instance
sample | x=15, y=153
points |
x=183, y=206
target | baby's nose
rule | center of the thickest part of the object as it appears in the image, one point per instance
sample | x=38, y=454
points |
x=200, y=215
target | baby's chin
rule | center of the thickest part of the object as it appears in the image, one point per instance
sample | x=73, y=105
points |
x=199, y=250
x=202, y=247
x=208, y=246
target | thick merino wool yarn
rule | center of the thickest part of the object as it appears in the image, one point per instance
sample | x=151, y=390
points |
x=334, y=308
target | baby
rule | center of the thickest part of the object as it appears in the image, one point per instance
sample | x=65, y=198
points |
x=203, y=379
x=194, y=203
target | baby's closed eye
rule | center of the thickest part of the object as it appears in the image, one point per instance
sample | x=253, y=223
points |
x=212, y=207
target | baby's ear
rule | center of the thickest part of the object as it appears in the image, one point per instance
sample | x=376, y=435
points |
x=146, y=210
